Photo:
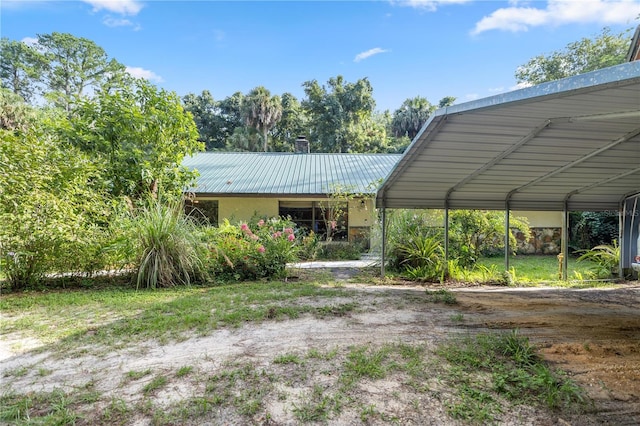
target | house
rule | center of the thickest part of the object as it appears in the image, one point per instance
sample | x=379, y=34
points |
x=318, y=191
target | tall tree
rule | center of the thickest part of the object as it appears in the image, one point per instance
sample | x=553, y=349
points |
x=291, y=125
x=212, y=125
x=579, y=57
x=139, y=135
x=413, y=113
x=21, y=67
x=75, y=64
x=333, y=110
x=409, y=118
x=262, y=111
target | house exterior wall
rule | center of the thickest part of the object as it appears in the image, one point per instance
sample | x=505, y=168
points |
x=242, y=209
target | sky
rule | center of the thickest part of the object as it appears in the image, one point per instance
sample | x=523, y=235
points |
x=468, y=49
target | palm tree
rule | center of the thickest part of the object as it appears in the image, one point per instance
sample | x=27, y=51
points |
x=262, y=111
x=409, y=118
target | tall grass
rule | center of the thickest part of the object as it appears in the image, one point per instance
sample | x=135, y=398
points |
x=168, y=250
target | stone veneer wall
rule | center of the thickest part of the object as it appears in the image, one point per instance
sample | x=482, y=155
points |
x=542, y=241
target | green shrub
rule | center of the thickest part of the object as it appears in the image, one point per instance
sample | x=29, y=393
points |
x=253, y=251
x=605, y=259
x=335, y=250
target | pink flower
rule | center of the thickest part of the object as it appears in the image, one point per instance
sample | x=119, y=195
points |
x=277, y=234
x=261, y=222
x=261, y=249
x=288, y=231
x=244, y=227
x=333, y=224
x=291, y=237
x=254, y=237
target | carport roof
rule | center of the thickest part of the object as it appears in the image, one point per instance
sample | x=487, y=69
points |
x=574, y=140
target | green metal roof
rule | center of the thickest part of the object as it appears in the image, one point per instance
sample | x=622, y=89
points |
x=273, y=173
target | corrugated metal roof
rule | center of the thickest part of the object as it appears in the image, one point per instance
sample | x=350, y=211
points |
x=250, y=173
x=575, y=140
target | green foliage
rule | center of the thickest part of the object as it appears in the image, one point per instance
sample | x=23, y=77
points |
x=214, y=127
x=139, y=136
x=339, y=251
x=587, y=54
x=589, y=229
x=474, y=233
x=166, y=245
x=75, y=64
x=21, y=67
x=442, y=296
x=262, y=112
x=515, y=372
x=605, y=259
x=423, y=254
x=333, y=110
x=252, y=251
x=48, y=212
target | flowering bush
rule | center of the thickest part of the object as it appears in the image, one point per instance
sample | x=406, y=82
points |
x=255, y=250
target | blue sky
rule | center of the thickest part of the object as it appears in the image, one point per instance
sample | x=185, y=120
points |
x=463, y=48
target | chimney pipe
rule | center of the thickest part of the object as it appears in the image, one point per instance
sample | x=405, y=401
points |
x=302, y=145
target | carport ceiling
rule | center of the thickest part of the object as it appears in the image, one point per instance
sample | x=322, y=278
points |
x=575, y=140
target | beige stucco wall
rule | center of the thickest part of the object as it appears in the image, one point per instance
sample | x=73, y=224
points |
x=542, y=219
x=238, y=209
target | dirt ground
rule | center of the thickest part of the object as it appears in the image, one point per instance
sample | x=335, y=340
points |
x=593, y=334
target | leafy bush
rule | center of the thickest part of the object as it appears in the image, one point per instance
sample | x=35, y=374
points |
x=253, y=251
x=48, y=211
x=590, y=229
x=339, y=251
x=605, y=258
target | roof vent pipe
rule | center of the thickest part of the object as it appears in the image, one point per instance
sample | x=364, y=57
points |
x=302, y=145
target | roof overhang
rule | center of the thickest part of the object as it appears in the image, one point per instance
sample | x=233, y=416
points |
x=571, y=143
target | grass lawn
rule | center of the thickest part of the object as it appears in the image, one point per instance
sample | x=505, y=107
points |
x=536, y=269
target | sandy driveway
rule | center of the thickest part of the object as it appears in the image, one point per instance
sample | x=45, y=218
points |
x=592, y=334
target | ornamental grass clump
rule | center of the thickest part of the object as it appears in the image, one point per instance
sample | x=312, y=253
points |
x=168, y=249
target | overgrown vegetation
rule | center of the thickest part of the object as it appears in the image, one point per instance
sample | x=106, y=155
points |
x=486, y=368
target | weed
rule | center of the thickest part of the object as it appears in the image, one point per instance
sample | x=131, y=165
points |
x=318, y=406
x=441, y=296
x=155, y=384
x=135, y=375
x=288, y=359
x=456, y=317
x=184, y=371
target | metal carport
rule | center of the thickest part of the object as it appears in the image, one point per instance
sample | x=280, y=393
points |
x=566, y=145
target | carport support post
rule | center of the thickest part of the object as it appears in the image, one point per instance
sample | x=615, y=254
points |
x=384, y=241
x=446, y=240
x=565, y=242
x=507, y=233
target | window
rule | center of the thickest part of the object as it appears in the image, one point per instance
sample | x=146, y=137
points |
x=204, y=211
x=319, y=216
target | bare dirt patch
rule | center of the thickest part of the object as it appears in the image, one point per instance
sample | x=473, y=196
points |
x=287, y=372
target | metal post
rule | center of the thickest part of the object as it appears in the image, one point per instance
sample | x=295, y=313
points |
x=565, y=242
x=507, y=234
x=446, y=240
x=384, y=241
x=621, y=225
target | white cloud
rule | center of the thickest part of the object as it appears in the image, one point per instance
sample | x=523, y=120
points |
x=123, y=7
x=112, y=22
x=471, y=97
x=558, y=12
x=364, y=55
x=521, y=85
x=429, y=5
x=139, y=72
x=31, y=41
